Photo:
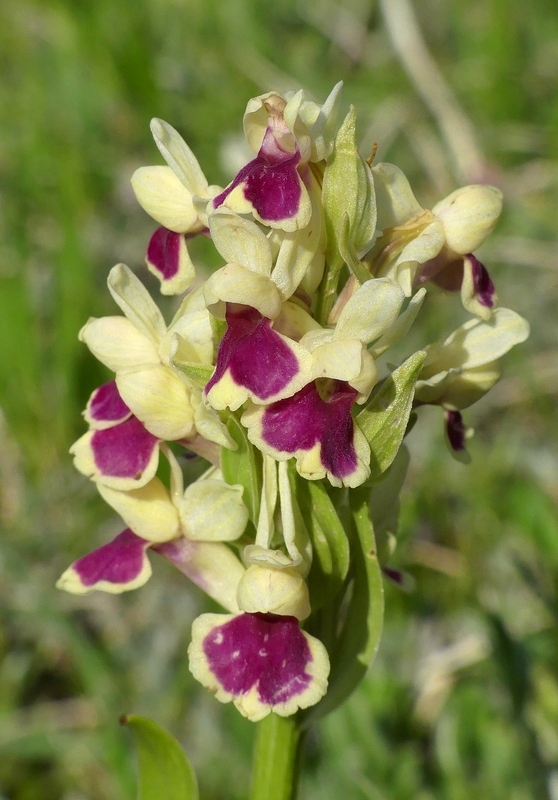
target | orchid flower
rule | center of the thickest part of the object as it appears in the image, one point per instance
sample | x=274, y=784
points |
x=286, y=132
x=418, y=245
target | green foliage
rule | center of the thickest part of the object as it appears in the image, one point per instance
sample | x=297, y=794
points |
x=243, y=466
x=385, y=419
x=164, y=770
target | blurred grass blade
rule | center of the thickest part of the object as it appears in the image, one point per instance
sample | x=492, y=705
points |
x=164, y=770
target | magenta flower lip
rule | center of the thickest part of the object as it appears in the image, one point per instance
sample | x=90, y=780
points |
x=256, y=356
x=306, y=419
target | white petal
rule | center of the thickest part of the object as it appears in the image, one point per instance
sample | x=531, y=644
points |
x=192, y=323
x=212, y=511
x=135, y=301
x=240, y=241
x=394, y=197
x=147, y=511
x=401, y=326
x=159, y=399
x=469, y=215
x=477, y=343
x=178, y=156
x=117, y=343
x=370, y=311
x=233, y=284
x=165, y=198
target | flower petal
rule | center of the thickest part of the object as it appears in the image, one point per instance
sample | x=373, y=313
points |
x=234, y=284
x=478, y=294
x=240, y=241
x=469, y=215
x=394, y=197
x=160, y=399
x=255, y=361
x=210, y=565
x=165, y=198
x=124, y=456
x=212, y=511
x=179, y=157
x=105, y=408
x=117, y=343
x=168, y=259
x=148, y=510
x=135, y=301
x=476, y=343
x=262, y=662
x=371, y=310
x=115, y=567
x=273, y=192
x=320, y=434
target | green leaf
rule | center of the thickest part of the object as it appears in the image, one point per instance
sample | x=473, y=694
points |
x=330, y=542
x=164, y=770
x=385, y=418
x=359, y=640
x=243, y=466
x=348, y=188
x=197, y=373
x=348, y=252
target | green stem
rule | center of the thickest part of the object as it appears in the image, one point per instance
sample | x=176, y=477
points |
x=277, y=756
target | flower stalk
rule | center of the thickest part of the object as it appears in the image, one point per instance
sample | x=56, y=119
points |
x=277, y=758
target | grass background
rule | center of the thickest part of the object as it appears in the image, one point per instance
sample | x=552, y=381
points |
x=463, y=698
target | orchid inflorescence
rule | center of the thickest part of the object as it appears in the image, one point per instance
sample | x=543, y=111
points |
x=270, y=372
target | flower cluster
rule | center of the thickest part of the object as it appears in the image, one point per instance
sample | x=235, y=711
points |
x=270, y=372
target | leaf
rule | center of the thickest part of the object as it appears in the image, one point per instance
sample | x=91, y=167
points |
x=348, y=252
x=197, y=373
x=384, y=420
x=329, y=540
x=359, y=640
x=348, y=188
x=242, y=466
x=164, y=770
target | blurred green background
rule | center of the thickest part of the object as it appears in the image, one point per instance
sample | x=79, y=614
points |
x=463, y=698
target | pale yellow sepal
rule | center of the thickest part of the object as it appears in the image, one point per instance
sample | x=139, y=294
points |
x=130, y=294
x=214, y=568
x=165, y=198
x=240, y=241
x=274, y=591
x=249, y=704
x=456, y=389
x=301, y=251
x=208, y=422
x=117, y=343
x=192, y=322
x=468, y=216
x=234, y=284
x=212, y=511
x=395, y=200
x=148, y=511
x=476, y=343
x=371, y=310
x=179, y=157
x=159, y=399
x=401, y=326
x=70, y=582
x=426, y=244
